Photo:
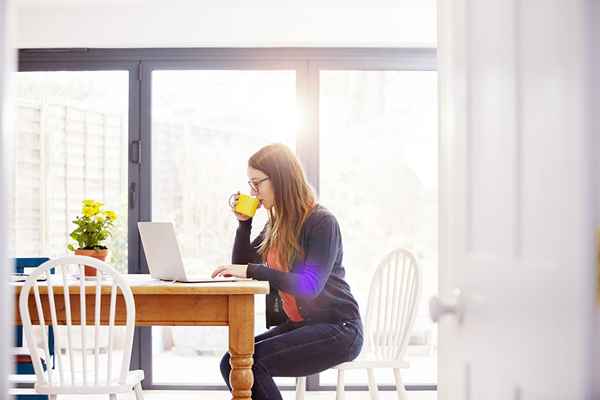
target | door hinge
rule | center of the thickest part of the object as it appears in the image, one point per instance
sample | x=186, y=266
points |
x=135, y=152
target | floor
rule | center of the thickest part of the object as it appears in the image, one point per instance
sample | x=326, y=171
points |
x=422, y=371
x=287, y=395
x=181, y=368
x=172, y=368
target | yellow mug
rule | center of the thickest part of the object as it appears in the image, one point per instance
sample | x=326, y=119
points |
x=246, y=205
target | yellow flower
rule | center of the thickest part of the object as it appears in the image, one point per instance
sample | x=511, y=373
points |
x=111, y=215
x=92, y=203
x=93, y=227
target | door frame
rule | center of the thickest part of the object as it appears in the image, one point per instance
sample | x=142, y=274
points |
x=307, y=62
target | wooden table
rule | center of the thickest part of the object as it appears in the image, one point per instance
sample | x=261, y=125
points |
x=187, y=304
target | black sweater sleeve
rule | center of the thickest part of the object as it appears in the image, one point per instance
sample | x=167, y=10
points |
x=244, y=251
x=309, y=277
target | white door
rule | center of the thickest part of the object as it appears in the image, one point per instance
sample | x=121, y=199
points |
x=517, y=205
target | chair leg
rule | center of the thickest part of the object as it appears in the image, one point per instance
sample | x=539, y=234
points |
x=339, y=393
x=138, y=391
x=372, y=384
x=399, y=385
x=300, y=387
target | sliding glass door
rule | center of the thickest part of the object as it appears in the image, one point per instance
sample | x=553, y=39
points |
x=165, y=135
x=378, y=174
x=205, y=126
x=70, y=143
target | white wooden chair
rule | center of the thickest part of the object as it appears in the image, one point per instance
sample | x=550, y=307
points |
x=67, y=378
x=393, y=299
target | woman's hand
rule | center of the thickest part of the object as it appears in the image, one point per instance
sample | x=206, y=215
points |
x=237, y=270
x=240, y=217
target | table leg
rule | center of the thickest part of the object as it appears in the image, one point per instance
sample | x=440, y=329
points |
x=241, y=345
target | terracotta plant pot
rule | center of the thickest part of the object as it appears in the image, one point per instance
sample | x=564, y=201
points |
x=99, y=254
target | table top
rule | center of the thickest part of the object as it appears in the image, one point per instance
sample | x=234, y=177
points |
x=141, y=284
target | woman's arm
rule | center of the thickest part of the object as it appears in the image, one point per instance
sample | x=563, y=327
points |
x=244, y=251
x=308, y=278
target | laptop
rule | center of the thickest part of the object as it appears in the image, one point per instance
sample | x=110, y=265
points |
x=164, y=258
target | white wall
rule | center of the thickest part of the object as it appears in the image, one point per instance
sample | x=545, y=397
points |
x=7, y=58
x=594, y=24
x=186, y=23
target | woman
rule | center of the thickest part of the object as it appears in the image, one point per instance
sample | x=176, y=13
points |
x=299, y=252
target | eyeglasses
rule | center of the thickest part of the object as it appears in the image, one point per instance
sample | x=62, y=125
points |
x=255, y=184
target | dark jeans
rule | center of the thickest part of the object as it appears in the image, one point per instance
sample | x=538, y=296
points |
x=299, y=349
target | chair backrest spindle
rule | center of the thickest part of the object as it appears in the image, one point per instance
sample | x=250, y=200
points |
x=97, y=325
x=82, y=322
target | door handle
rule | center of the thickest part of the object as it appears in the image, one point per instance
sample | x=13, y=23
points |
x=132, y=196
x=453, y=305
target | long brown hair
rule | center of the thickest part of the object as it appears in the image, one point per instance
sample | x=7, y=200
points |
x=294, y=199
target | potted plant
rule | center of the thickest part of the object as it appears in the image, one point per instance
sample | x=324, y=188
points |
x=93, y=228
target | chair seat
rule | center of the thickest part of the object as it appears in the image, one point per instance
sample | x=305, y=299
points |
x=133, y=378
x=370, y=361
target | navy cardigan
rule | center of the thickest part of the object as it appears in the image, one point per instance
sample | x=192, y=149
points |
x=316, y=281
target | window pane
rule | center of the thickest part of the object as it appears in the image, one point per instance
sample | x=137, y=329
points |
x=70, y=144
x=205, y=126
x=378, y=174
